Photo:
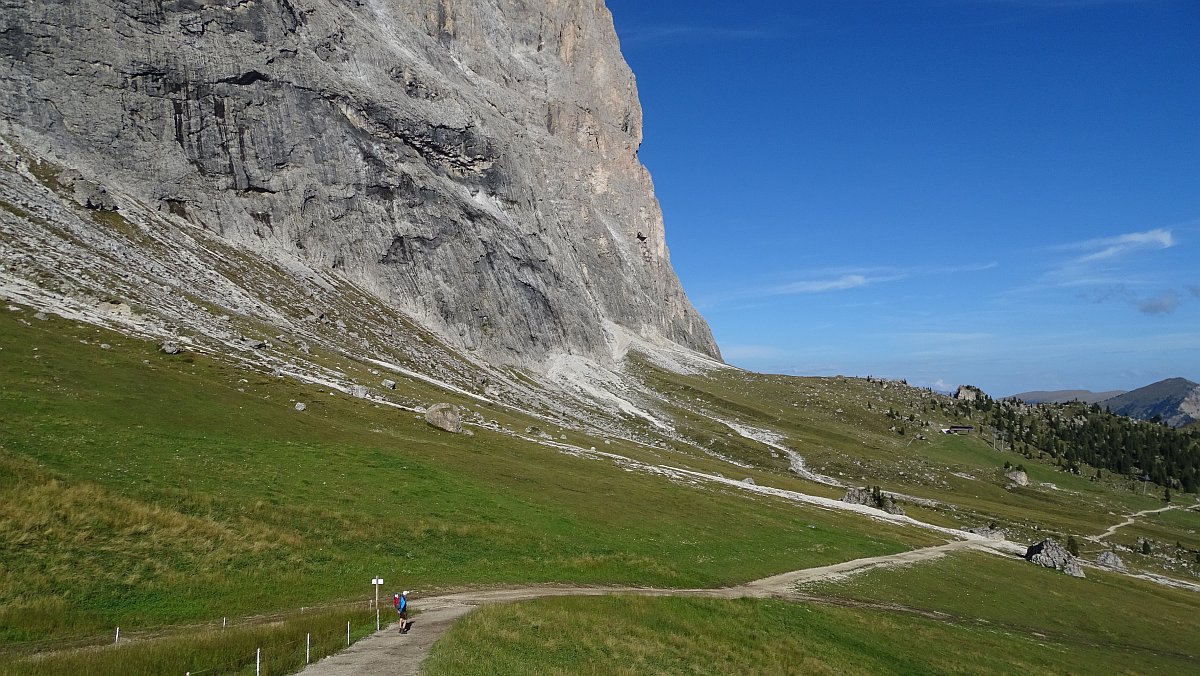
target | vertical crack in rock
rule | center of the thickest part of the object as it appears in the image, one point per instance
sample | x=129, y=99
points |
x=474, y=164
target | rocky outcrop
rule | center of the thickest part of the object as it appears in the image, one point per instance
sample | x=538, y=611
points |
x=474, y=164
x=989, y=532
x=444, y=417
x=1050, y=554
x=873, y=497
x=967, y=393
x=1109, y=559
x=1018, y=477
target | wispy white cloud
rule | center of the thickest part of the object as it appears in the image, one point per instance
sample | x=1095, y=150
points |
x=842, y=279
x=1108, y=248
x=1106, y=266
x=819, y=285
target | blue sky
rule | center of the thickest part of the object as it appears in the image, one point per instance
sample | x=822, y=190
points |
x=997, y=192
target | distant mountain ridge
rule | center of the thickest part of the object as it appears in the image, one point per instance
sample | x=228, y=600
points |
x=1175, y=401
x=1063, y=396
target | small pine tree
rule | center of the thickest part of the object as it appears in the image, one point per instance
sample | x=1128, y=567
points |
x=1073, y=545
x=1167, y=494
x=1007, y=465
x=1146, y=547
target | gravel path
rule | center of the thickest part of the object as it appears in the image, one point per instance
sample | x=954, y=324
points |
x=1133, y=517
x=390, y=653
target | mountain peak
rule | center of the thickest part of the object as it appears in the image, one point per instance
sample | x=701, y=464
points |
x=1173, y=401
x=473, y=169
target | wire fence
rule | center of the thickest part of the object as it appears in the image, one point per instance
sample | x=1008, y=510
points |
x=285, y=657
x=279, y=643
x=143, y=632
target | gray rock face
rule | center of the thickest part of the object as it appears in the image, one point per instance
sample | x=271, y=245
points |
x=1018, y=477
x=857, y=496
x=1050, y=554
x=967, y=393
x=1110, y=560
x=876, y=499
x=444, y=417
x=170, y=348
x=87, y=193
x=988, y=532
x=472, y=163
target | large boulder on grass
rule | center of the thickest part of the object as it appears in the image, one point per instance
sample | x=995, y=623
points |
x=444, y=417
x=857, y=496
x=1050, y=554
x=989, y=532
x=1110, y=560
x=873, y=498
x=1017, y=477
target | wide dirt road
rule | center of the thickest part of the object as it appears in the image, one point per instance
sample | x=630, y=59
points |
x=390, y=653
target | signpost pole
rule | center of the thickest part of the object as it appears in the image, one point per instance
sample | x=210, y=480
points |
x=377, y=581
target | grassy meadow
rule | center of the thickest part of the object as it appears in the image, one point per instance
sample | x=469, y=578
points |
x=278, y=646
x=1102, y=612
x=146, y=490
x=639, y=635
x=842, y=427
x=160, y=493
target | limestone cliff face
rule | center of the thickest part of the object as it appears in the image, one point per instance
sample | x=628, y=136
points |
x=472, y=162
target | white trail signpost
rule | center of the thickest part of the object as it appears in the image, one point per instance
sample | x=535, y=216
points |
x=377, y=581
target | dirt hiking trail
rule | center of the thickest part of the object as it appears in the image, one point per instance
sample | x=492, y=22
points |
x=1134, y=517
x=390, y=653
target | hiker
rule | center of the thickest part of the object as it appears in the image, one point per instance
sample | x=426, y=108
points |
x=400, y=601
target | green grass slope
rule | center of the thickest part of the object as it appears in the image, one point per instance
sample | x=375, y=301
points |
x=850, y=429
x=157, y=491
x=635, y=635
x=141, y=489
x=968, y=612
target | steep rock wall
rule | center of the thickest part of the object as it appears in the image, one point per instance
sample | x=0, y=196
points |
x=474, y=163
